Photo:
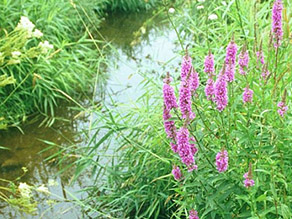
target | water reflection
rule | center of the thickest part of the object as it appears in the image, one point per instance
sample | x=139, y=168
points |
x=24, y=151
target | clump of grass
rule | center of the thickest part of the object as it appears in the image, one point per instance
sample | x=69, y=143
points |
x=41, y=82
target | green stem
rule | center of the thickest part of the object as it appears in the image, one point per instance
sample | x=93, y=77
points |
x=240, y=20
x=178, y=36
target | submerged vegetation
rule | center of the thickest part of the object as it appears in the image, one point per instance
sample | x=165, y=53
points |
x=208, y=138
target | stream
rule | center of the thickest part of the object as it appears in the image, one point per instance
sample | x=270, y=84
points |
x=141, y=44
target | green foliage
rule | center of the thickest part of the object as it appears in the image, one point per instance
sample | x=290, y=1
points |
x=130, y=5
x=42, y=81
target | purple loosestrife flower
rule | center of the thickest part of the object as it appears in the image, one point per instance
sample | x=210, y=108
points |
x=222, y=161
x=209, y=64
x=260, y=57
x=247, y=95
x=230, y=71
x=169, y=125
x=248, y=182
x=231, y=52
x=194, y=149
x=193, y=214
x=221, y=97
x=184, y=147
x=230, y=60
x=195, y=81
x=282, y=108
x=277, y=23
x=176, y=173
x=174, y=147
x=265, y=73
x=243, y=61
x=209, y=89
x=185, y=99
x=186, y=66
x=168, y=93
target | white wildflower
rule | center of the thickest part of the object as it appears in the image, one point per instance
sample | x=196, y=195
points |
x=224, y=3
x=25, y=24
x=43, y=189
x=213, y=17
x=52, y=182
x=171, y=10
x=201, y=1
x=25, y=190
x=16, y=54
x=199, y=7
x=37, y=33
x=45, y=46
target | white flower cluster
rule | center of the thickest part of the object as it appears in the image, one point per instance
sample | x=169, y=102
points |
x=26, y=25
x=43, y=189
x=45, y=46
x=213, y=17
x=25, y=190
x=15, y=54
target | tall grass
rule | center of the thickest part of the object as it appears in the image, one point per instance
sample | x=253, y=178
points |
x=41, y=82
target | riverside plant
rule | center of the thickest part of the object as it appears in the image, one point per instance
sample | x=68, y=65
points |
x=220, y=97
x=226, y=151
x=13, y=49
x=44, y=76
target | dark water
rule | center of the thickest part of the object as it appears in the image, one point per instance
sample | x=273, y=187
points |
x=141, y=43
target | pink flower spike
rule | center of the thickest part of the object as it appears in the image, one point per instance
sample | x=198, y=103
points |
x=243, y=61
x=176, y=173
x=168, y=93
x=169, y=125
x=230, y=60
x=174, y=147
x=260, y=57
x=186, y=66
x=185, y=99
x=193, y=214
x=222, y=161
x=277, y=28
x=209, y=64
x=184, y=147
x=221, y=96
x=195, y=81
x=282, y=108
x=247, y=95
x=231, y=52
x=248, y=182
x=209, y=89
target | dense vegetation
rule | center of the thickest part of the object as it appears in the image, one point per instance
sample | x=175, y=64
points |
x=210, y=136
x=42, y=80
x=245, y=129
